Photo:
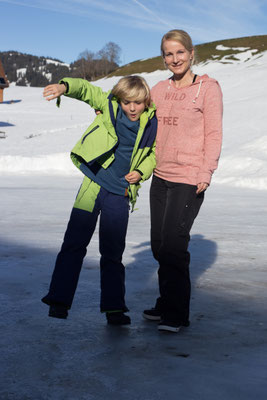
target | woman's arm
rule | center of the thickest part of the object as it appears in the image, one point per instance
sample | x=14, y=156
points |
x=212, y=111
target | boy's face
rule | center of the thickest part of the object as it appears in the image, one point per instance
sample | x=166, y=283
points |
x=133, y=109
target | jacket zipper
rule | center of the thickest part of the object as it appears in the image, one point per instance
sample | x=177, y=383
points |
x=82, y=194
x=136, y=147
x=96, y=127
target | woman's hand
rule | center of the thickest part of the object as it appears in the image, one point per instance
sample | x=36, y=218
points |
x=51, y=92
x=133, y=177
x=201, y=187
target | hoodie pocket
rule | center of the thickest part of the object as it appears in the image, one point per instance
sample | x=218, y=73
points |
x=189, y=160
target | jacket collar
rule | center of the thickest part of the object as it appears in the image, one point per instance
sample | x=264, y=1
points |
x=113, y=107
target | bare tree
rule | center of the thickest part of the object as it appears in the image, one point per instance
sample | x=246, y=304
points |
x=90, y=65
x=84, y=64
x=111, y=52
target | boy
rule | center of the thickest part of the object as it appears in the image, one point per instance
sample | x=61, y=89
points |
x=116, y=154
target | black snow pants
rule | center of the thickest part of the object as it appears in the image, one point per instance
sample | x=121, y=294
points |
x=114, y=213
x=174, y=207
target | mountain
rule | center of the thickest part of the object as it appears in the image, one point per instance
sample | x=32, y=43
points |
x=224, y=51
x=29, y=70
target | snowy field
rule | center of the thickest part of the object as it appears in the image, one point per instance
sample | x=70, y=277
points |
x=223, y=354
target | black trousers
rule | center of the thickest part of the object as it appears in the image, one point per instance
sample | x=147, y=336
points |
x=173, y=207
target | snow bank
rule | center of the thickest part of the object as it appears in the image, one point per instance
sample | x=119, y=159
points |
x=58, y=163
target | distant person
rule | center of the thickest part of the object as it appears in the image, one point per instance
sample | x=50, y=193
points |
x=116, y=154
x=188, y=145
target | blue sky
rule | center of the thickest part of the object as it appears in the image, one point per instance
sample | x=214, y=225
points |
x=64, y=28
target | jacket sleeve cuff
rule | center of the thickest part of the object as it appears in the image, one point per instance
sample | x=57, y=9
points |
x=204, y=177
x=67, y=89
x=140, y=172
x=66, y=85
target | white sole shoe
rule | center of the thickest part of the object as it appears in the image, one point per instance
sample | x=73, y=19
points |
x=168, y=328
x=151, y=317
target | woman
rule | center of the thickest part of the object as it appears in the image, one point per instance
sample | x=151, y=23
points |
x=188, y=145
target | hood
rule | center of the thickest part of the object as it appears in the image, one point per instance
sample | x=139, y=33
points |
x=201, y=79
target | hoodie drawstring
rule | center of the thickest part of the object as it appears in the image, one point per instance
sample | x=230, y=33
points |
x=199, y=88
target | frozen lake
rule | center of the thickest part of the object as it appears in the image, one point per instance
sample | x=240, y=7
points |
x=222, y=355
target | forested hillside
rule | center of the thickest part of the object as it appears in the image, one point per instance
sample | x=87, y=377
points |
x=29, y=70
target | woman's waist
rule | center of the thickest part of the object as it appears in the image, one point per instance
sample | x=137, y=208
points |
x=179, y=175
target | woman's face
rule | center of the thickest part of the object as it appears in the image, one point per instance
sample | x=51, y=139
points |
x=177, y=58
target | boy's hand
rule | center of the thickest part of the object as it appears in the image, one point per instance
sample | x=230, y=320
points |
x=133, y=177
x=51, y=92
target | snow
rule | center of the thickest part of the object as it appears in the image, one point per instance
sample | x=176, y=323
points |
x=246, y=54
x=224, y=48
x=49, y=61
x=221, y=47
x=21, y=72
x=223, y=354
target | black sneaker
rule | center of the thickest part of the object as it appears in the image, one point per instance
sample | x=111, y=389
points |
x=117, y=318
x=170, y=326
x=153, y=314
x=58, y=311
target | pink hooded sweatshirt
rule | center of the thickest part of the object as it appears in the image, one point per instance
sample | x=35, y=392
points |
x=189, y=136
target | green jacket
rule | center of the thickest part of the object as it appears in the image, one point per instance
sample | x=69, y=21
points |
x=100, y=139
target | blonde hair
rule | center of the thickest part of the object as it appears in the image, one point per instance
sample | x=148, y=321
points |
x=180, y=36
x=132, y=88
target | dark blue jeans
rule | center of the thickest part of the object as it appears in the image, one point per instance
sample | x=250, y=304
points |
x=114, y=213
x=174, y=207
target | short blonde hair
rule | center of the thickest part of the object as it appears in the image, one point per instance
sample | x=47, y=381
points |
x=179, y=36
x=132, y=88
